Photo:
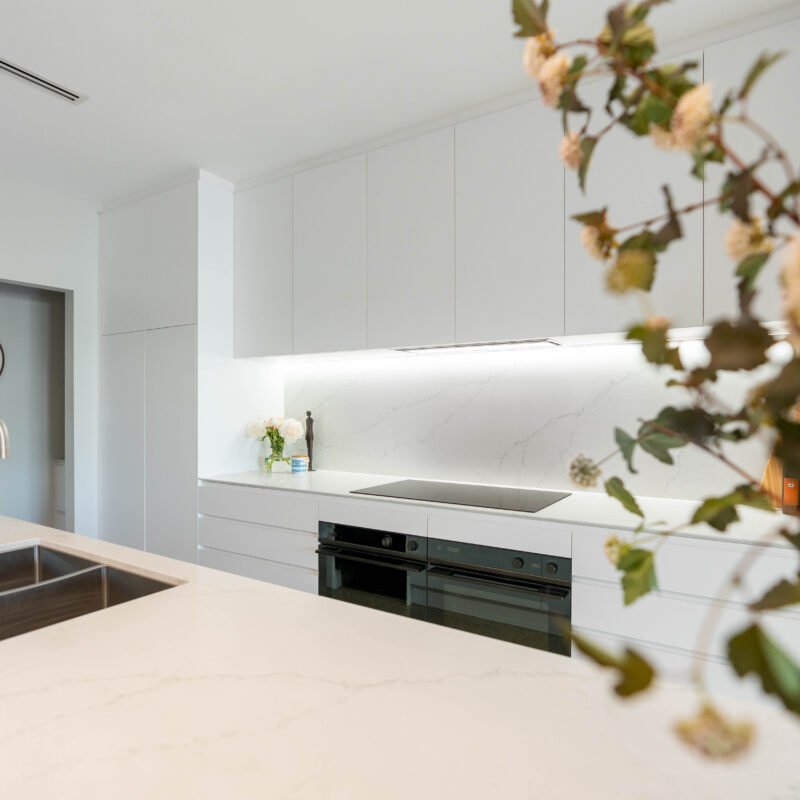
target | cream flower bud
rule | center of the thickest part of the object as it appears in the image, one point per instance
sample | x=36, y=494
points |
x=692, y=116
x=662, y=139
x=569, y=151
x=537, y=50
x=552, y=77
x=583, y=471
x=715, y=736
x=744, y=239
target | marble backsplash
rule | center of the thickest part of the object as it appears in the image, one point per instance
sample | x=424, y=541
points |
x=515, y=416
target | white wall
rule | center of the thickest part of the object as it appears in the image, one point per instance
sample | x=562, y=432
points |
x=50, y=239
x=513, y=417
x=32, y=400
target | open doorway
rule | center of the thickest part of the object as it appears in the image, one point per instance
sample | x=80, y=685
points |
x=33, y=405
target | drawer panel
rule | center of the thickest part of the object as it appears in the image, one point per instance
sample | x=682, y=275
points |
x=676, y=666
x=292, y=510
x=697, y=567
x=295, y=548
x=371, y=514
x=671, y=620
x=305, y=580
x=529, y=536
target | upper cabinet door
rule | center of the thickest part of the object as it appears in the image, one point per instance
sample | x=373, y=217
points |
x=171, y=257
x=626, y=174
x=410, y=242
x=148, y=262
x=330, y=241
x=262, y=267
x=773, y=104
x=509, y=226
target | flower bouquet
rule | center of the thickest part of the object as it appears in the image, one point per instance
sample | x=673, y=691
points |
x=279, y=432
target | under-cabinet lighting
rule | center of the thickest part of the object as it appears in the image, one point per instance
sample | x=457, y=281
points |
x=471, y=346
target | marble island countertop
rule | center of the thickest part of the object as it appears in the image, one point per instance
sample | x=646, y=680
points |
x=580, y=508
x=228, y=687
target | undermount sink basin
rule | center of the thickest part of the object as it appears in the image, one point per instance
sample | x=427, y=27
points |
x=40, y=586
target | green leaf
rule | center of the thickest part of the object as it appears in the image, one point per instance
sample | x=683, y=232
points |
x=787, y=445
x=736, y=193
x=738, y=346
x=651, y=109
x=531, y=18
x=616, y=488
x=627, y=444
x=658, y=444
x=719, y=512
x=671, y=229
x=783, y=391
x=778, y=205
x=785, y=593
x=591, y=217
x=752, y=652
x=635, y=674
x=655, y=345
x=763, y=63
x=587, y=148
x=749, y=268
x=640, y=573
x=693, y=422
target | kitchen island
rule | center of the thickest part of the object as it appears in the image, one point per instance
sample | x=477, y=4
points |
x=228, y=687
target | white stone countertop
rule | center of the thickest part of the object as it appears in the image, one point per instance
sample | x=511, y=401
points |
x=224, y=687
x=580, y=508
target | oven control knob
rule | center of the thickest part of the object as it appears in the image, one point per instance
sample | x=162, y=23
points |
x=386, y=541
x=412, y=546
x=551, y=568
x=518, y=563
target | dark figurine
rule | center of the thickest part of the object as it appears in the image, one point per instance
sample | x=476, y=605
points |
x=310, y=440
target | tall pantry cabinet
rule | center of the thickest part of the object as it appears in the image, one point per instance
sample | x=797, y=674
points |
x=150, y=252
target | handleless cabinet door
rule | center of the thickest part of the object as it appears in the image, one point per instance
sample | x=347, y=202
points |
x=330, y=220
x=262, y=266
x=410, y=242
x=509, y=226
x=171, y=442
x=122, y=415
x=626, y=174
x=774, y=104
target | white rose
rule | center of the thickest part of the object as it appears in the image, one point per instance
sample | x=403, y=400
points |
x=255, y=429
x=291, y=430
x=274, y=422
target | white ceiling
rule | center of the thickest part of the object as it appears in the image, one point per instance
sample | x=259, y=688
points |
x=244, y=87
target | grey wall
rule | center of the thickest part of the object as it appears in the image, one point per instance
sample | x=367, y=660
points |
x=31, y=400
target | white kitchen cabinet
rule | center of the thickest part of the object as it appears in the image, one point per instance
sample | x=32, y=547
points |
x=509, y=226
x=148, y=258
x=330, y=241
x=263, y=270
x=410, y=242
x=304, y=580
x=123, y=301
x=122, y=439
x=626, y=174
x=170, y=252
x=171, y=442
x=773, y=104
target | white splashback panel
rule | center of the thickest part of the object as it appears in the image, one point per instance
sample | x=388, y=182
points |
x=515, y=416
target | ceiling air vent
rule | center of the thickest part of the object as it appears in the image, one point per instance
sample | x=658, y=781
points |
x=42, y=83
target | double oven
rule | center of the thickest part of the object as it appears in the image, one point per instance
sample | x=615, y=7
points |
x=505, y=594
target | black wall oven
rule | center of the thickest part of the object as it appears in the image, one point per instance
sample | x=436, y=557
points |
x=516, y=596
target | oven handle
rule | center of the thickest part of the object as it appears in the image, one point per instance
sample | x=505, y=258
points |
x=407, y=566
x=534, y=587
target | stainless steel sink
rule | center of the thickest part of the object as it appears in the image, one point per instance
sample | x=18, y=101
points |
x=40, y=587
x=36, y=564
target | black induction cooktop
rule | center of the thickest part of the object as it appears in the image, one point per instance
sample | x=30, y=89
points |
x=468, y=494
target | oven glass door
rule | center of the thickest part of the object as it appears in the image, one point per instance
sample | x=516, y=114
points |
x=528, y=612
x=384, y=583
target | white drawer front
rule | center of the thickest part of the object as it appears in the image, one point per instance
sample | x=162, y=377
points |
x=529, y=536
x=372, y=514
x=676, y=666
x=292, y=510
x=671, y=620
x=305, y=580
x=295, y=548
x=697, y=567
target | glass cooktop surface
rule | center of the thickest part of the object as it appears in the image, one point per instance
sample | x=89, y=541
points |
x=468, y=494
